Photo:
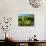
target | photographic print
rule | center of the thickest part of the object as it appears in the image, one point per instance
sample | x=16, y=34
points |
x=26, y=20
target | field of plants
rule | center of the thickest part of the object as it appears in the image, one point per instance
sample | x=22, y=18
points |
x=26, y=20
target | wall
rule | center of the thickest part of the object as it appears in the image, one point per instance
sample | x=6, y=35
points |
x=45, y=29
x=12, y=8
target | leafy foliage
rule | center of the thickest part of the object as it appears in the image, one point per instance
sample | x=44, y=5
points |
x=26, y=20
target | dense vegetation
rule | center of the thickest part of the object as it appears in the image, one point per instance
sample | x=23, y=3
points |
x=25, y=20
